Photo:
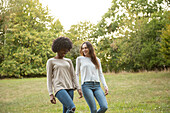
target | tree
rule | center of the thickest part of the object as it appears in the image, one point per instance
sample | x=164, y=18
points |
x=136, y=25
x=165, y=45
x=82, y=31
x=56, y=27
x=27, y=40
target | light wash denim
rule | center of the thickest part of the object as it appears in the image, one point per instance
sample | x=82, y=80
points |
x=66, y=98
x=91, y=90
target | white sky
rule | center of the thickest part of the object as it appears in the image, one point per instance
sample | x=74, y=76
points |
x=71, y=12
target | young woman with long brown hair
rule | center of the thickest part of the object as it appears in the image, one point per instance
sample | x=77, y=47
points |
x=89, y=66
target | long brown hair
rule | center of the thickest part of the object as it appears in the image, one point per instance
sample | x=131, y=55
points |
x=91, y=53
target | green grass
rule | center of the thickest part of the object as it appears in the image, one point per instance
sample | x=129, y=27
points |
x=147, y=92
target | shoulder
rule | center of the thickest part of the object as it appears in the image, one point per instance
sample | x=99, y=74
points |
x=98, y=59
x=50, y=59
x=67, y=59
x=80, y=57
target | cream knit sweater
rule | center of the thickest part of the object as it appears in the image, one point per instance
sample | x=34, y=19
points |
x=60, y=75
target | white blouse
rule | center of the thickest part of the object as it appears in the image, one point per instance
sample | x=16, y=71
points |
x=88, y=71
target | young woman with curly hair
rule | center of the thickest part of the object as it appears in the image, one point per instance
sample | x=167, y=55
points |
x=89, y=66
x=61, y=78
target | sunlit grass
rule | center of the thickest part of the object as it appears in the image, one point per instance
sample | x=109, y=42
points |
x=147, y=92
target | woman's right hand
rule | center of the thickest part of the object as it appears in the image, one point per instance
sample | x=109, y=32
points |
x=52, y=99
x=80, y=93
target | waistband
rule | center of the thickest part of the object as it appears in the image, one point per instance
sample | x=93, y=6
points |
x=91, y=82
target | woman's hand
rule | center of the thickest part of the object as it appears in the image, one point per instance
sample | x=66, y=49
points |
x=106, y=91
x=80, y=93
x=52, y=99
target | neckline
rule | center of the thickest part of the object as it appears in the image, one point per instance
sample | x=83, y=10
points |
x=59, y=58
x=87, y=57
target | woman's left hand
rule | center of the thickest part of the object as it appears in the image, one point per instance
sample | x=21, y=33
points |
x=106, y=91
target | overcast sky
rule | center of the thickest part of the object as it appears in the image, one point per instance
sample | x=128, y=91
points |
x=70, y=12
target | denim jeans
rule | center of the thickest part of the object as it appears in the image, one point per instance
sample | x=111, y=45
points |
x=66, y=98
x=91, y=90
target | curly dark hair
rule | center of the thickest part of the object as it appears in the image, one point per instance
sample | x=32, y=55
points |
x=61, y=43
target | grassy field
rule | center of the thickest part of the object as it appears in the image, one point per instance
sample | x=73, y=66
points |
x=147, y=92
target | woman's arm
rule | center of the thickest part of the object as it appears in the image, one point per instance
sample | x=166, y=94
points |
x=49, y=77
x=49, y=81
x=77, y=76
x=102, y=78
x=74, y=75
x=77, y=70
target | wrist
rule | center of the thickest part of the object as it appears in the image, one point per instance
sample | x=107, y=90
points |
x=106, y=87
x=78, y=90
x=51, y=95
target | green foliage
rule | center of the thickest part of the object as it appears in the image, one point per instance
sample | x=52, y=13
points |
x=83, y=31
x=136, y=26
x=165, y=45
x=141, y=49
x=132, y=36
x=56, y=27
x=108, y=54
x=26, y=41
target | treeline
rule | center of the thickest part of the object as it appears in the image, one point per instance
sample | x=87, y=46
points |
x=133, y=35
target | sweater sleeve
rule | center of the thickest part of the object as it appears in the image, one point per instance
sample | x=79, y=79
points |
x=77, y=69
x=49, y=77
x=101, y=75
x=74, y=75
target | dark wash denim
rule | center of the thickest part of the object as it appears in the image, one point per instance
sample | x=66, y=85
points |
x=66, y=98
x=91, y=90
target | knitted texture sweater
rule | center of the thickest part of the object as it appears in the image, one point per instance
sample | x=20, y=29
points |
x=60, y=75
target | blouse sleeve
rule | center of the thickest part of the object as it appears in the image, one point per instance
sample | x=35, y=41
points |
x=49, y=77
x=77, y=69
x=101, y=75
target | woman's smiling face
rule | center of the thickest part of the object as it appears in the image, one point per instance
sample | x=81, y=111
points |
x=85, y=50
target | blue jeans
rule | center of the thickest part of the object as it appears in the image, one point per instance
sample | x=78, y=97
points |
x=66, y=98
x=91, y=90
